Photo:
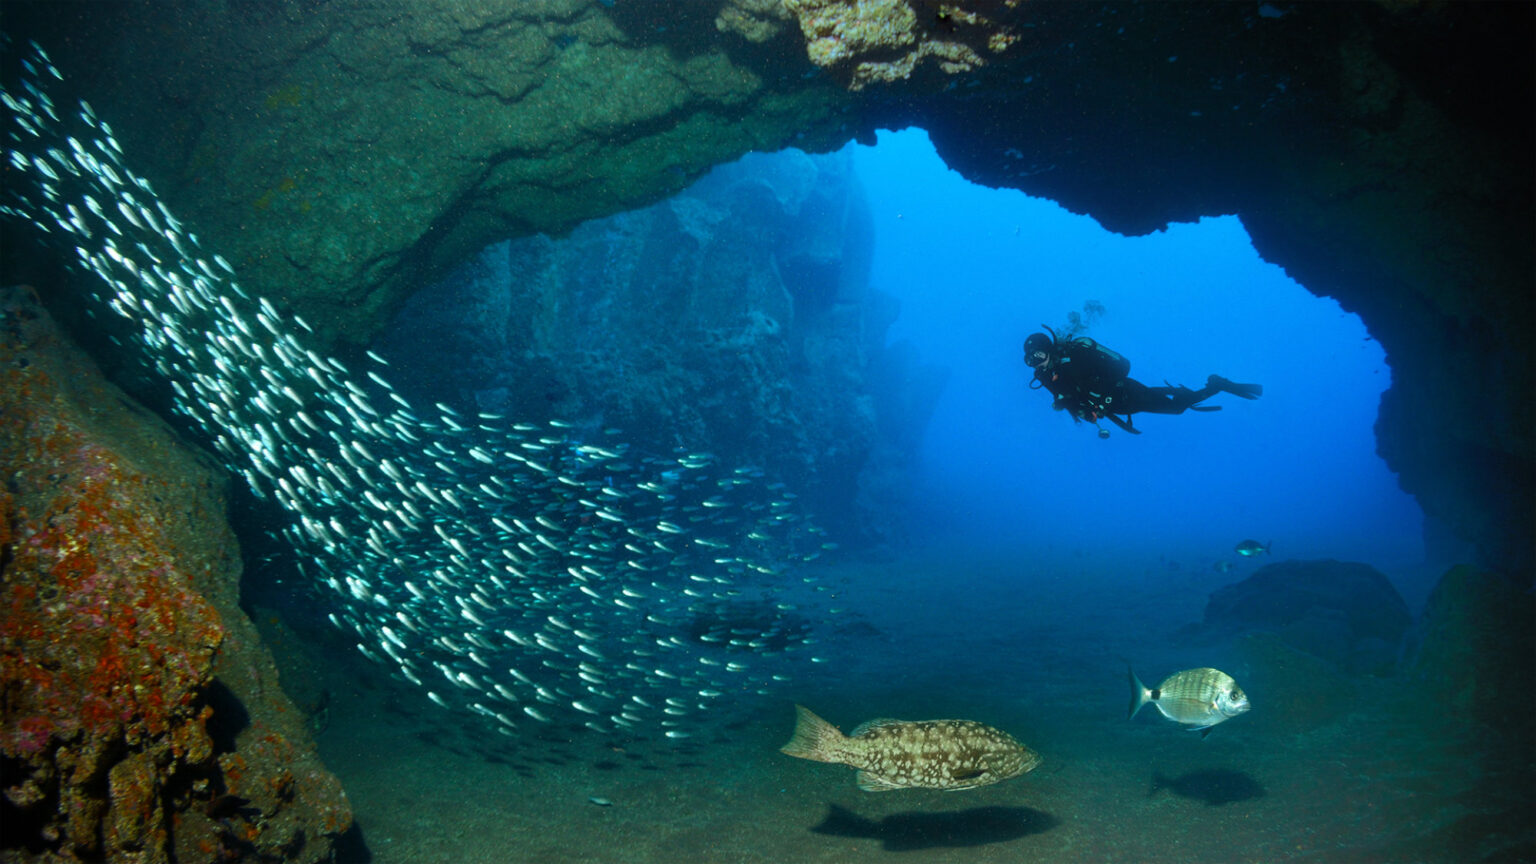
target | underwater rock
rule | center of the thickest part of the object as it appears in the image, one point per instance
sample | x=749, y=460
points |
x=489, y=561
x=1477, y=652
x=301, y=661
x=1344, y=612
x=778, y=371
x=905, y=390
x=753, y=20
x=136, y=696
x=1293, y=691
x=883, y=41
x=1380, y=153
x=338, y=152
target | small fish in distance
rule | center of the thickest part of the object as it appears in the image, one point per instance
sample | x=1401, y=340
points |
x=1250, y=548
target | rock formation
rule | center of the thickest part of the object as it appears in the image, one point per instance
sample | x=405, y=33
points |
x=1475, y=643
x=733, y=318
x=141, y=718
x=884, y=40
x=1343, y=612
x=341, y=154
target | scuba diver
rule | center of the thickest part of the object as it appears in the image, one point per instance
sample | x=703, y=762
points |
x=1092, y=382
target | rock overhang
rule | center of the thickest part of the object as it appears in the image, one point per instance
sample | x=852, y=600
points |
x=1380, y=153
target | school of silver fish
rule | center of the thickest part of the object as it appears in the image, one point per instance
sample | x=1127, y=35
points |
x=526, y=572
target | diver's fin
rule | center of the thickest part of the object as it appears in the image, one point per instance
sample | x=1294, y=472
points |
x=1245, y=391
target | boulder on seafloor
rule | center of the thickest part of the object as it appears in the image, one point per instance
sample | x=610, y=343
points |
x=1292, y=690
x=1344, y=612
x=140, y=718
x=1476, y=655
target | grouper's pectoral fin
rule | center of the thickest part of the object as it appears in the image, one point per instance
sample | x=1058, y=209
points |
x=968, y=779
x=874, y=782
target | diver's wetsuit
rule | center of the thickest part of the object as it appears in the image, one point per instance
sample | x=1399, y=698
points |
x=1090, y=381
x=1159, y=400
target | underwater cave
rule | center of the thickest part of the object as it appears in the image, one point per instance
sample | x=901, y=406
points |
x=554, y=397
x=930, y=284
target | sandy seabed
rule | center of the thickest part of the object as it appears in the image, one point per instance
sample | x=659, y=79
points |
x=1042, y=658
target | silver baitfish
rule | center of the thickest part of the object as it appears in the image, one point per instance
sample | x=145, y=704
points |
x=619, y=592
x=1198, y=698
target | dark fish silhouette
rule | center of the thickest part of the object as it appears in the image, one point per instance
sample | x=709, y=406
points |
x=911, y=831
x=1250, y=548
x=1214, y=786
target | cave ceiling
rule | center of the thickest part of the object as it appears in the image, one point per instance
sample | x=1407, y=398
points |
x=341, y=154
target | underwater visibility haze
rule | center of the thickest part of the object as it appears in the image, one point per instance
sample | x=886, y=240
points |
x=977, y=270
x=726, y=526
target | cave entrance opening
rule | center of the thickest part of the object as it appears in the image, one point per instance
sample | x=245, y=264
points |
x=976, y=270
x=752, y=314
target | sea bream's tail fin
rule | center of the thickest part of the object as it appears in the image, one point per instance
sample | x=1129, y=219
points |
x=1140, y=695
x=814, y=738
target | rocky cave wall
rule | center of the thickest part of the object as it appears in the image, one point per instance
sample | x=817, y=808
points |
x=786, y=371
x=140, y=716
x=1380, y=153
x=342, y=154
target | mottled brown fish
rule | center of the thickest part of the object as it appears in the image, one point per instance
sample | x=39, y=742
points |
x=1198, y=698
x=913, y=754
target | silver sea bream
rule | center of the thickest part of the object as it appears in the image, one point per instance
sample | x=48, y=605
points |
x=1197, y=698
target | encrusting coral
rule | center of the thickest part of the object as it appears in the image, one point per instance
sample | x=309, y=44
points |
x=871, y=41
x=120, y=739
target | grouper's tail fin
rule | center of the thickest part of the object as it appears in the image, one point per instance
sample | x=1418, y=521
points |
x=814, y=738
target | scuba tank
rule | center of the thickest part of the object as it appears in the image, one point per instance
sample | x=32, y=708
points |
x=1110, y=365
x=1105, y=368
x=1096, y=372
x=1103, y=364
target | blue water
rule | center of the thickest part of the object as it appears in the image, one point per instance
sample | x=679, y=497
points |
x=978, y=269
x=1038, y=560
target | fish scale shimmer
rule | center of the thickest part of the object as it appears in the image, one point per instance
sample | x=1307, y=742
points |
x=524, y=573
